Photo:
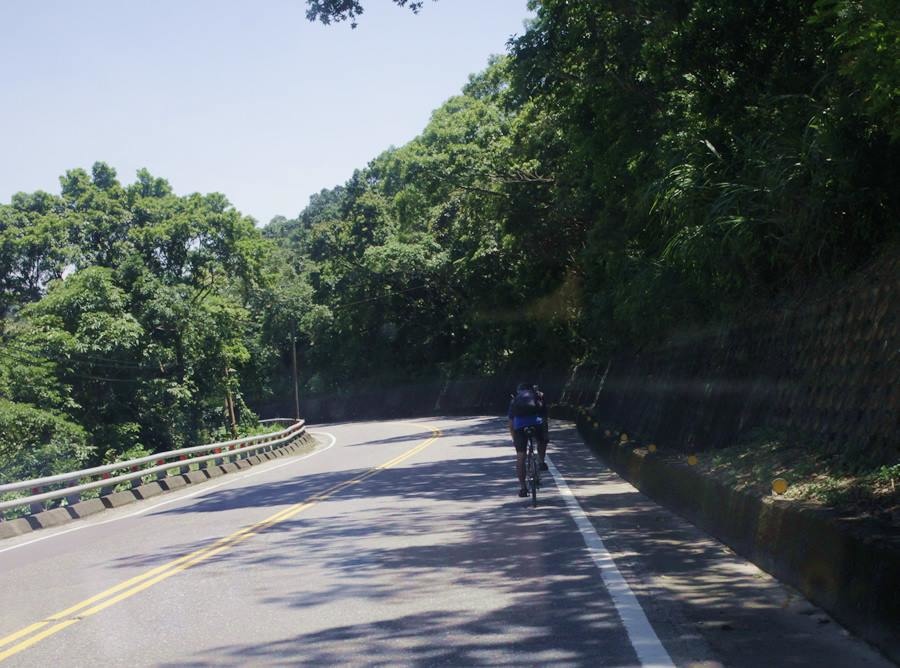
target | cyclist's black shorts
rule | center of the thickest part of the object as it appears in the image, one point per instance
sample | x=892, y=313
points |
x=520, y=438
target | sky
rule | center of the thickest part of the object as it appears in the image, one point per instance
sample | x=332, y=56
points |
x=245, y=98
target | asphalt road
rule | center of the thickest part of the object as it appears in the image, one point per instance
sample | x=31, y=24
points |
x=402, y=543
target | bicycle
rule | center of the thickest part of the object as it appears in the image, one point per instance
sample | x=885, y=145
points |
x=532, y=467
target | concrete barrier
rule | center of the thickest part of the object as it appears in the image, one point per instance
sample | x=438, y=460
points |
x=64, y=514
x=849, y=571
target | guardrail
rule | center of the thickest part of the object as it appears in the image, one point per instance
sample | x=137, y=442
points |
x=61, y=486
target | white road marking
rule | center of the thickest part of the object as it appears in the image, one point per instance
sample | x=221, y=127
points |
x=643, y=638
x=232, y=478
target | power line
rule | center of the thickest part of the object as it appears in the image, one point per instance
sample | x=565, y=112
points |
x=371, y=299
x=85, y=358
x=82, y=376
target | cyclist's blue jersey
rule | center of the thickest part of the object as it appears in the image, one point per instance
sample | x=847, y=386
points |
x=522, y=421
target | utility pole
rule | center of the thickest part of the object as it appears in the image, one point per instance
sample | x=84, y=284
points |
x=294, y=366
x=229, y=404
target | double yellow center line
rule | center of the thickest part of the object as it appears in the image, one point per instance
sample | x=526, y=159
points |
x=34, y=633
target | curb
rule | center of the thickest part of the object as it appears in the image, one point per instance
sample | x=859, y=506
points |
x=851, y=574
x=65, y=514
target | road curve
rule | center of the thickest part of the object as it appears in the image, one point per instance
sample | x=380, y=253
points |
x=402, y=543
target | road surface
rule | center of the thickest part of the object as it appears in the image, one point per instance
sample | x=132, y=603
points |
x=402, y=543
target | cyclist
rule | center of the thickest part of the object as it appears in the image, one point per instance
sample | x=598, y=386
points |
x=527, y=409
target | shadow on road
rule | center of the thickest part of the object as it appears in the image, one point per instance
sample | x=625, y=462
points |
x=466, y=427
x=440, y=563
x=459, y=569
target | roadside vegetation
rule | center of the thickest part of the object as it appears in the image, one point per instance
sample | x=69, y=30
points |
x=134, y=321
x=824, y=478
x=626, y=170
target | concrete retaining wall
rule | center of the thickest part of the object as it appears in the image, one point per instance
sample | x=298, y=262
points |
x=852, y=573
x=823, y=367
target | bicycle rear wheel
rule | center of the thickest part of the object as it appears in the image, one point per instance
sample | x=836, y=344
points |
x=532, y=471
x=534, y=481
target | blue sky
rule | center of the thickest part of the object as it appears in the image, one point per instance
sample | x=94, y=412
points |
x=245, y=98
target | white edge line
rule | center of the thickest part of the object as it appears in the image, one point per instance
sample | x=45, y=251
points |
x=643, y=638
x=205, y=488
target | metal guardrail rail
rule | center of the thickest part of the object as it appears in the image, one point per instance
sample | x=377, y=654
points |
x=134, y=470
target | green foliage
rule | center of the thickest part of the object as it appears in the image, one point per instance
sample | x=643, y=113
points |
x=128, y=310
x=717, y=151
x=328, y=11
x=866, y=41
x=630, y=168
x=410, y=259
x=34, y=247
x=852, y=483
x=36, y=442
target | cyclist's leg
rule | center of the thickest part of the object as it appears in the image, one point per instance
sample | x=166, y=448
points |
x=521, y=443
x=540, y=436
x=520, y=467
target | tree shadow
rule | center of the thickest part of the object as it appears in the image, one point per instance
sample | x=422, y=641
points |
x=501, y=583
x=439, y=563
x=467, y=427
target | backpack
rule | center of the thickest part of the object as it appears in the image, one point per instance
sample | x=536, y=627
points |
x=525, y=403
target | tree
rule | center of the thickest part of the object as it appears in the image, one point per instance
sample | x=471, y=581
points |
x=126, y=310
x=327, y=11
x=35, y=442
x=34, y=248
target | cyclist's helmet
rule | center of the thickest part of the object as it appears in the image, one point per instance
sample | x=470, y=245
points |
x=521, y=387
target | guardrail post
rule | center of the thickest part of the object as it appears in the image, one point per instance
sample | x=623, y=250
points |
x=71, y=499
x=105, y=490
x=184, y=467
x=36, y=506
x=161, y=474
x=136, y=482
